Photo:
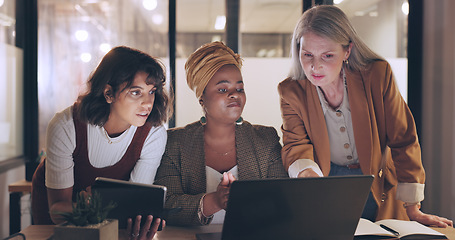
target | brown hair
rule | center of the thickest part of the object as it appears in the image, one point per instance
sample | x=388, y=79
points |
x=117, y=67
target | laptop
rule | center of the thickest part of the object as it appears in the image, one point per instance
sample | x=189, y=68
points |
x=294, y=208
x=132, y=199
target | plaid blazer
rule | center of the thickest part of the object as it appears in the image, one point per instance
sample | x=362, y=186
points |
x=182, y=168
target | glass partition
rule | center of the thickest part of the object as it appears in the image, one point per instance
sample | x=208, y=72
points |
x=11, y=85
x=266, y=29
x=75, y=34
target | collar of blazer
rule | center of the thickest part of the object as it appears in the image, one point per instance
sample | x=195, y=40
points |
x=361, y=120
x=250, y=165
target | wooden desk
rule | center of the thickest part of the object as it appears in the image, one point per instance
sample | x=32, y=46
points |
x=16, y=190
x=43, y=232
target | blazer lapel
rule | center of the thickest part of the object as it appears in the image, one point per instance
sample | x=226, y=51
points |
x=361, y=120
x=249, y=164
x=193, y=160
x=317, y=131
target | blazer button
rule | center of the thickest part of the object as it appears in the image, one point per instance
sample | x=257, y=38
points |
x=380, y=173
x=383, y=197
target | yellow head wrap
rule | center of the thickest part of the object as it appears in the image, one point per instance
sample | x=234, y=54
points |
x=205, y=62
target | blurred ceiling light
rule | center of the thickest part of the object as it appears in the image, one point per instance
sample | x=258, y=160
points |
x=81, y=35
x=220, y=22
x=405, y=8
x=337, y=1
x=373, y=14
x=216, y=38
x=261, y=53
x=271, y=53
x=1, y=2
x=6, y=20
x=150, y=4
x=105, y=47
x=157, y=19
x=86, y=57
x=359, y=13
x=85, y=18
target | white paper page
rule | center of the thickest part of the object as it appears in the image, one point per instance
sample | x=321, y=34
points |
x=408, y=227
x=366, y=227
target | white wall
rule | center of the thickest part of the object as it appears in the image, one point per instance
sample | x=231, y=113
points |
x=380, y=33
x=261, y=77
x=11, y=101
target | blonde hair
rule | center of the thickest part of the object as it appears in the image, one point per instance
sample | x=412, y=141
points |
x=205, y=62
x=330, y=22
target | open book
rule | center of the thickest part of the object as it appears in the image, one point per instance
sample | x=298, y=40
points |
x=392, y=228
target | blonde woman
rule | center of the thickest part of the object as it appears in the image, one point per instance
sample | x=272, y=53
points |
x=343, y=115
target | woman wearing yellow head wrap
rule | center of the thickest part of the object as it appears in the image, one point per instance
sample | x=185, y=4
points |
x=203, y=158
x=205, y=62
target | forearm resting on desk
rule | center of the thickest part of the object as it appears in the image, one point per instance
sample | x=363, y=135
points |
x=59, y=207
x=60, y=200
x=415, y=214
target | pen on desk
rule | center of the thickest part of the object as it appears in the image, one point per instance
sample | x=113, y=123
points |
x=390, y=230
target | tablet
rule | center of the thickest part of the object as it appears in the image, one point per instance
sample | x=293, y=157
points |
x=132, y=199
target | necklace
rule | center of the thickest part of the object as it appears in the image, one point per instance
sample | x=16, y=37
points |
x=221, y=154
x=119, y=139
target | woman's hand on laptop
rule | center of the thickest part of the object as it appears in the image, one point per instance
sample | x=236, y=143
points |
x=309, y=172
x=148, y=230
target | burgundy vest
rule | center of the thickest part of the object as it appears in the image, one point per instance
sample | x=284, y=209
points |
x=84, y=172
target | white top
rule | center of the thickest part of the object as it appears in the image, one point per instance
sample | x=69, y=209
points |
x=213, y=180
x=61, y=142
x=343, y=148
x=341, y=133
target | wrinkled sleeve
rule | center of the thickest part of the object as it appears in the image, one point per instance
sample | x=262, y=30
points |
x=145, y=169
x=296, y=142
x=60, y=145
x=403, y=142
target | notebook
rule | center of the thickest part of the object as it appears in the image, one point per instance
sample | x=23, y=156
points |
x=132, y=199
x=295, y=208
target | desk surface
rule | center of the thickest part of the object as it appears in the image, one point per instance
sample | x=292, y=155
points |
x=43, y=232
x=20, y=186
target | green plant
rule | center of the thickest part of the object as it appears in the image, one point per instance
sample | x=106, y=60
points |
x=87, y=210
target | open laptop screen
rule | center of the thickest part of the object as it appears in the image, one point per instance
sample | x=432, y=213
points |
x=297, y=208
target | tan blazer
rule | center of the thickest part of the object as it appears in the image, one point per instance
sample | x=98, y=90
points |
x=182, y=168
x=382, y=123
